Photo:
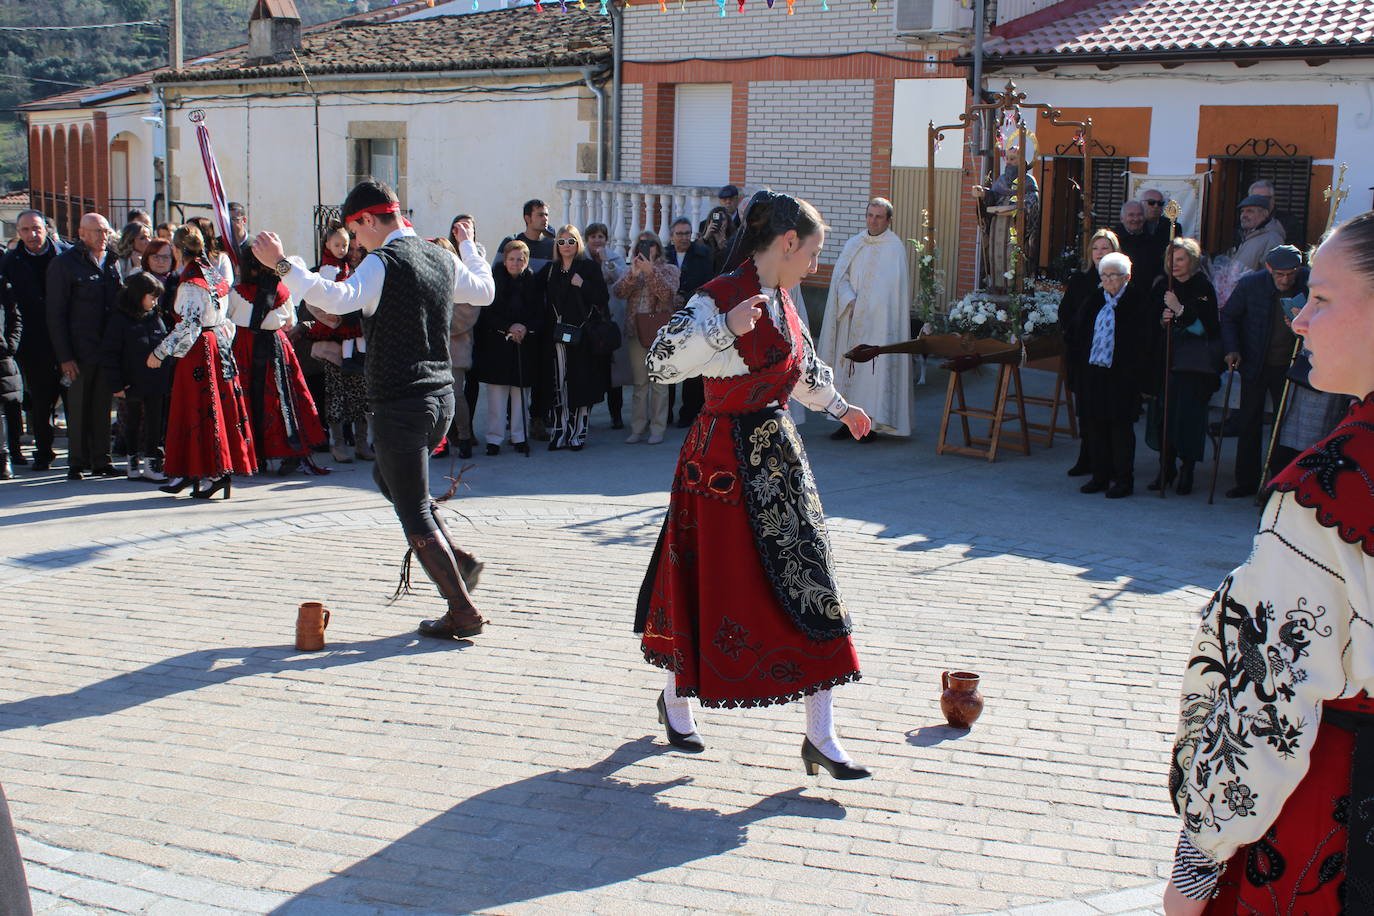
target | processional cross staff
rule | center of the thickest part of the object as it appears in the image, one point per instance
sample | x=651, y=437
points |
x=1335, y=194
x=1172, y=211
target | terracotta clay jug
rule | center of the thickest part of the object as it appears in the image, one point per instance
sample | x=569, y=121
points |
x=961, y=702
x=311, y=620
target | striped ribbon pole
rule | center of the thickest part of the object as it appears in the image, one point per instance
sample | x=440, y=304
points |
x=217, y=196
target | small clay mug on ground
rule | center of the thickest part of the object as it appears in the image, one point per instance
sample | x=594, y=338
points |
x=961, y=702
x=311, y=620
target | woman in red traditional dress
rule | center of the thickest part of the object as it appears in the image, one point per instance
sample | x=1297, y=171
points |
x=1273, y=768
x=281, y=411
x=207, y=425
x=740, y=603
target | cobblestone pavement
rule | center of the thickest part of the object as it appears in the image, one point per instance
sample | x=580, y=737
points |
x=166, y=751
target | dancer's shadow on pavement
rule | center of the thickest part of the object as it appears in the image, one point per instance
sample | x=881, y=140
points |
x=194, y=670
x=556, y=832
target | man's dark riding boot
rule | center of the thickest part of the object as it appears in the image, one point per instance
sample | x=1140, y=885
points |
x=439, y=563
x=469, y=567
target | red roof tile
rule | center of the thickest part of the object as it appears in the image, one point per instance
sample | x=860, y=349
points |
x=1123, y=27
x=499, y=39
x=139, y=82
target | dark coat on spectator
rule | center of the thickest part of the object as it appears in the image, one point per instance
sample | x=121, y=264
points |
x=124, y=356
x=496, y=360
x=24, y=277
x=574, y=305
x=1248, y=319
x=81, y=296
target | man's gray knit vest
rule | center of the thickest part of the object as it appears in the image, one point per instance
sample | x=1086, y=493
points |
x=407, y=336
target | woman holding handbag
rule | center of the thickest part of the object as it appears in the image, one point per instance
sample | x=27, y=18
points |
x=571, y=379
x=649, y=289
x=1187, y=306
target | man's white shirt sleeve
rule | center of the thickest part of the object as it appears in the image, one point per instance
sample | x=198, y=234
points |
x=360, y=292
x=472, y=283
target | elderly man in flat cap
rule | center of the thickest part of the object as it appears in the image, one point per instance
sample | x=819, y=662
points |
x=1257, y=335
x=1259, y=231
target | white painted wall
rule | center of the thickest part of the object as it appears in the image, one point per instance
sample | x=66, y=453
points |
x=915, y=103
x=1177, y=95
x=462, y=156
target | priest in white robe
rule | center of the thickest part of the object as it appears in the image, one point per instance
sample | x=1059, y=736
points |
x=870, y=303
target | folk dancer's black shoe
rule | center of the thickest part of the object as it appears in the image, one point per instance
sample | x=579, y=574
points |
x=223, y=485
x=813, y=759
x=687, y=742
x=177, y=484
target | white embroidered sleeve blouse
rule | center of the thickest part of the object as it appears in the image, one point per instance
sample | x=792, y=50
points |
x=1289, y=629
x=697, y=341
x=199, y=311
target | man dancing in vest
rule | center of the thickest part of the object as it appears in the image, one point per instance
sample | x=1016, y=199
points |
x=405, y=289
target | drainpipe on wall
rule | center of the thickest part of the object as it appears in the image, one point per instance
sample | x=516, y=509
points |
x=166, y=156
x=617, y=64
x=600, y=123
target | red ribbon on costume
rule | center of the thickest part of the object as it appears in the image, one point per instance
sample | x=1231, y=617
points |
x=378, y=210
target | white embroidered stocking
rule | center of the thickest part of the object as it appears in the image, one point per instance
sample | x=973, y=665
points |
x=679, y=708
x=820, y=726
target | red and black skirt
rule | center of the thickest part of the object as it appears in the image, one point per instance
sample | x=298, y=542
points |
x=282, y=413
x=207, y=423
x=1318, y=857
x=740, y=600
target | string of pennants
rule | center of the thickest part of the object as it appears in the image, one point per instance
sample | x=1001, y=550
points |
x=682, y=5
x=662, y=5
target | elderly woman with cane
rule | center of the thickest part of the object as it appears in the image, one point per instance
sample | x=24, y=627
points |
x=506, y=348
x=1272, y=772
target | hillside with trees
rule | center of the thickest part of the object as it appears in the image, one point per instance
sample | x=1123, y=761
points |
x=41, y=61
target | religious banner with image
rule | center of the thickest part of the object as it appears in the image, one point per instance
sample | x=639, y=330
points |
x=1186, y=189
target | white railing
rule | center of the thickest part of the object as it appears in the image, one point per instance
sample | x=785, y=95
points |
x=629, y=208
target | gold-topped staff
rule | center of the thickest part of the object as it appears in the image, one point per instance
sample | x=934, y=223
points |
x=1172, y=211
x=1335, y=194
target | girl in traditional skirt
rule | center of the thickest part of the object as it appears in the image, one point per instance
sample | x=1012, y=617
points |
x=740, y=604
x=1273, y=768
x=207, y=424
x=281, y=411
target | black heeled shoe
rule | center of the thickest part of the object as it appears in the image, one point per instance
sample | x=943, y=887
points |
x=176, y=486
x=223, y=484
x=687, y=742
x=813, y=759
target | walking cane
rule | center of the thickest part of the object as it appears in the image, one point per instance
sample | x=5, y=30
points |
x=1278, y=423
x=1171, y=212
x=524, y=406
x=1221, y=436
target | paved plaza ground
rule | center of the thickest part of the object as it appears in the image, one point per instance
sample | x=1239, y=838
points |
x=167, y=752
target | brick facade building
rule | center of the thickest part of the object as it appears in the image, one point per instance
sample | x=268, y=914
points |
x=810, y=100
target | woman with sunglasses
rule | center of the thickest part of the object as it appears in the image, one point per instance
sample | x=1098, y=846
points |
x=571, y=377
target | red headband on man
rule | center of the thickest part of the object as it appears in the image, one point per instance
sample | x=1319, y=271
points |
x=378, y=210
